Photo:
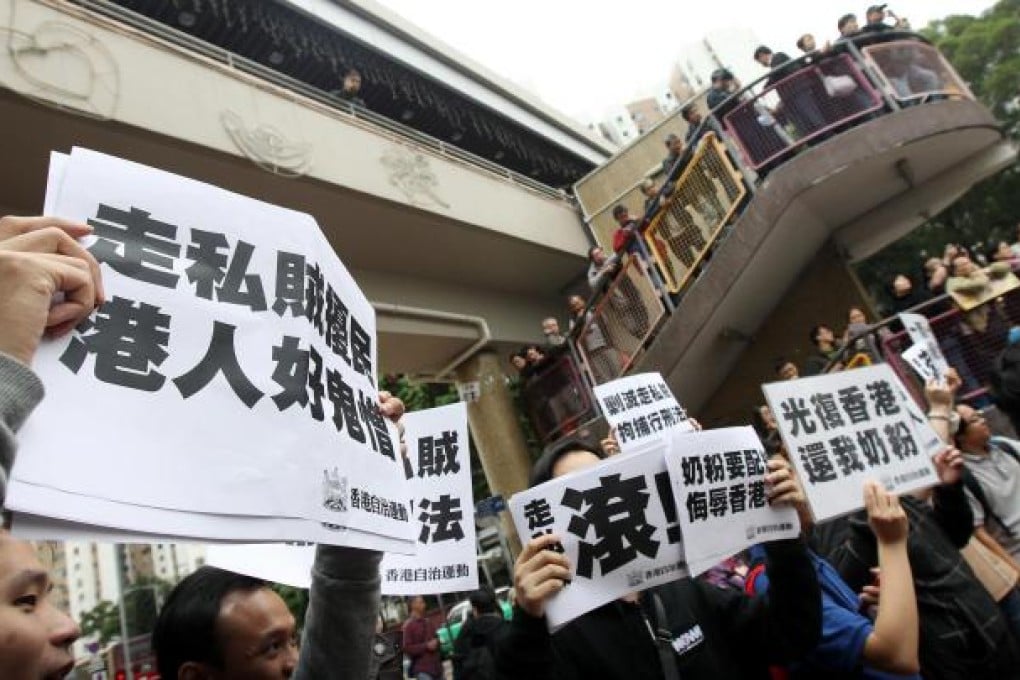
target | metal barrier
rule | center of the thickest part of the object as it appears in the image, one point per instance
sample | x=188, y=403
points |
x=557, y=398
x=969, y=340
x=621, y=323
x=810, y=102
x=914, y=71
x=708, y=193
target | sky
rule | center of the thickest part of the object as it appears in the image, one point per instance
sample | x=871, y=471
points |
x=583, y=57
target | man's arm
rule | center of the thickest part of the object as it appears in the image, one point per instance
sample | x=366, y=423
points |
x=415, y=640
x=982, y=535
x=342, y=608
x=20, y=392
x=949, y=502
x=787, y=624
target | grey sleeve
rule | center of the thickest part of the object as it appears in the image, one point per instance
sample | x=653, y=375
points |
x=342, y=610
x=20, y=392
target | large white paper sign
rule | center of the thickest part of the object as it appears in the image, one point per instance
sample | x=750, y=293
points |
x=230, y=372
x=442, y=507
x=617, y=524
x=290, y=565
x=842, y=429
x=641, y=408
x=922, y=336
x=718, y=481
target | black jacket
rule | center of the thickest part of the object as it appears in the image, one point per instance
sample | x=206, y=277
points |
x=476, y=632
x=719, y=634
x=963, y=635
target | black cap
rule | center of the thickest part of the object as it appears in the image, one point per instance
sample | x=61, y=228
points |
x=721, y=74
x=844, y=20
x=760, y=50
x=876, y=8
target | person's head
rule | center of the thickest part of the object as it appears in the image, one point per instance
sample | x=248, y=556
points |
x=483, y=601
x=763, y=55
x=1004, y=381
x=621, y=214
x=972, y=433
x=649, y=189
x=950, y=252
x=787, y=370
x=1000, y=252
x=534, y=354
x=856, y=316
x=352, y=81
x=674, y=143
x=806, y=43
x=963, y=266
x=218, y=625
x=902, y=285
x=597, y=255
x=550, y=326
x=35, y=636
x=565, y=456
x=764, y=420
x=875, y=14
x=822, y=336
x=693, y=117
x=417, y=606
x=576, y=304
x=518, y=360
x=847, y=25
x=722, y=79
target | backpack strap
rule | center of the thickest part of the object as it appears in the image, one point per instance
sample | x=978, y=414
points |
x=751, y=580
x=1007, y=445
x=664, y=641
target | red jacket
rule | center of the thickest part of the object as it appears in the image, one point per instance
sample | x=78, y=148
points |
x=417, y=633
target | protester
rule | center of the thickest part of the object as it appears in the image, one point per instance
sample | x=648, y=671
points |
x=421, y=645
x=600, y=267
x=786, y=369
x=847, y=26
x=216, y=624
x=35, y=636
x=675, y=148
x=826, y=350
x=739, y=635
x=962, y=631
x=851, y=645
x=551, y=331
x=518, y=361
x=724, y=85
x=904, y=298
x=351, y=89
x=694, y=120
x=936, y=274
x=875, y=17
x=473, y=655
x=625, y=238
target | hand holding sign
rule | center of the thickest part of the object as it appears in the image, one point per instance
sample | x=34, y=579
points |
x=539, y=573
x=885, y=516
x=949, y=465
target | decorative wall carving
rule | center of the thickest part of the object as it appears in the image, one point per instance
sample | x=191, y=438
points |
x=267, y=147
x=410, y=172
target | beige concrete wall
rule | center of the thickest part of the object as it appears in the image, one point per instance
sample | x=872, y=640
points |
x=823, y=294
x=126, y=76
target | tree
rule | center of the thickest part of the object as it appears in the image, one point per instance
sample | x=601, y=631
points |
x=296, y=600
x=102, y=621
x=985, y=51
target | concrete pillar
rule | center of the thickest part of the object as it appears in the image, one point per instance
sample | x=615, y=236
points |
x=493, y=421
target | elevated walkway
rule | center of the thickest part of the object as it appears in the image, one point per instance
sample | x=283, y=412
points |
x=798, y=175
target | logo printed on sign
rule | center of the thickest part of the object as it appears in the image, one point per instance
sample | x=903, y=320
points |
x=334, y=490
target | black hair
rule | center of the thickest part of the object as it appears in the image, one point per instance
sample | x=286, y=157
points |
x=801, y=41
x=352, y=72
x=815, y=332
x=1004, y=382
x=593, y=249
x=760, y=50
x=844, y=20
x=186, y=628
x=542, y=470
x=687, y=110
x=619, y=209
x=484, y=601
x=780, y=362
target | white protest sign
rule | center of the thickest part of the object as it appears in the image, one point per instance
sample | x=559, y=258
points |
x=617, y=524
x=230, y=372
x=641, y=408
x=842, y=429
x=920, y=359
x=290, y=565
x=930, y=439
x=49, y=514
x=920, y=333
x=442, y=507
x=718, y=479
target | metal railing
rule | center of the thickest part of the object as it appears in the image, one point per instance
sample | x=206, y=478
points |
x=557, y=398
x=707, y=194
x=754, y=131
x=621, y=322
x=808, y=103
x=379, y=124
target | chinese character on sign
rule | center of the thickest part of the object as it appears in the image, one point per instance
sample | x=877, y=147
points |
x=440, y=519
x=615, y=512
